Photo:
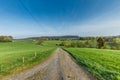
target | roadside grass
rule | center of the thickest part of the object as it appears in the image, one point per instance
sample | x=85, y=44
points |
x=21, y=54
x=104, y=64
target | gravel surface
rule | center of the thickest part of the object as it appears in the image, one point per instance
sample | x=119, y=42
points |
x=61, y=66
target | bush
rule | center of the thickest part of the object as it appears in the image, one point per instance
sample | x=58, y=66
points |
x=40, y=41
x=63, y=43
x=6, y=38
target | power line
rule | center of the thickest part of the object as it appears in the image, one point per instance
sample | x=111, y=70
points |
x=21, y=2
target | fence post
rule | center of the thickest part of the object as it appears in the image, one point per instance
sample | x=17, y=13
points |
x=35, y=54
x=0, y=67
x=23, y=59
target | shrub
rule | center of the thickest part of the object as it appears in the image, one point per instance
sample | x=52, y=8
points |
x=6, y=38
x=40, y=41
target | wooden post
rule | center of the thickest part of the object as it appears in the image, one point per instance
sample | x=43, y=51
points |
x=0, y=67
x=35, y=54
x=23, y=59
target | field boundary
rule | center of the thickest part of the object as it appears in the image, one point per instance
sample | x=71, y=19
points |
x=79, y=63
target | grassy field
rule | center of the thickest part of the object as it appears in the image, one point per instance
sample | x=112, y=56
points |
x=51, y=43
x=105, y=64
x=21, y=54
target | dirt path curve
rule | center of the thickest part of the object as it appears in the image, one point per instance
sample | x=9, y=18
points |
x=60, y=66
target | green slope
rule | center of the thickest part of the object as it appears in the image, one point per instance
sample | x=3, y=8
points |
x=21, y=54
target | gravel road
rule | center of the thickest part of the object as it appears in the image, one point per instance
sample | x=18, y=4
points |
x=60, y=66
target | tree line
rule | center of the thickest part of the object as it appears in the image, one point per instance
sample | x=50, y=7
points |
x=94, y=42
x=88, y=42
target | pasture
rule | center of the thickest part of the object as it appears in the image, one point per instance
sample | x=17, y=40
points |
x=103, y=63
x=21, y=54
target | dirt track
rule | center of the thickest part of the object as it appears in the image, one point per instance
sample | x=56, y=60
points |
x=59, y=67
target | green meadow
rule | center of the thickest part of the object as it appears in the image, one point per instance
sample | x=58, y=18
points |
x=102, y=63
x=22, y=54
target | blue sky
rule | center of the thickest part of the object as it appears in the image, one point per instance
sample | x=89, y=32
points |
x=26, y=18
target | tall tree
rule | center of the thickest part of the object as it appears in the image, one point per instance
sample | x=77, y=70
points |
x=100, y=42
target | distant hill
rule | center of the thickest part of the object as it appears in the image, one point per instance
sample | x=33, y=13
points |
x=55, y=37
x=73, y=37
